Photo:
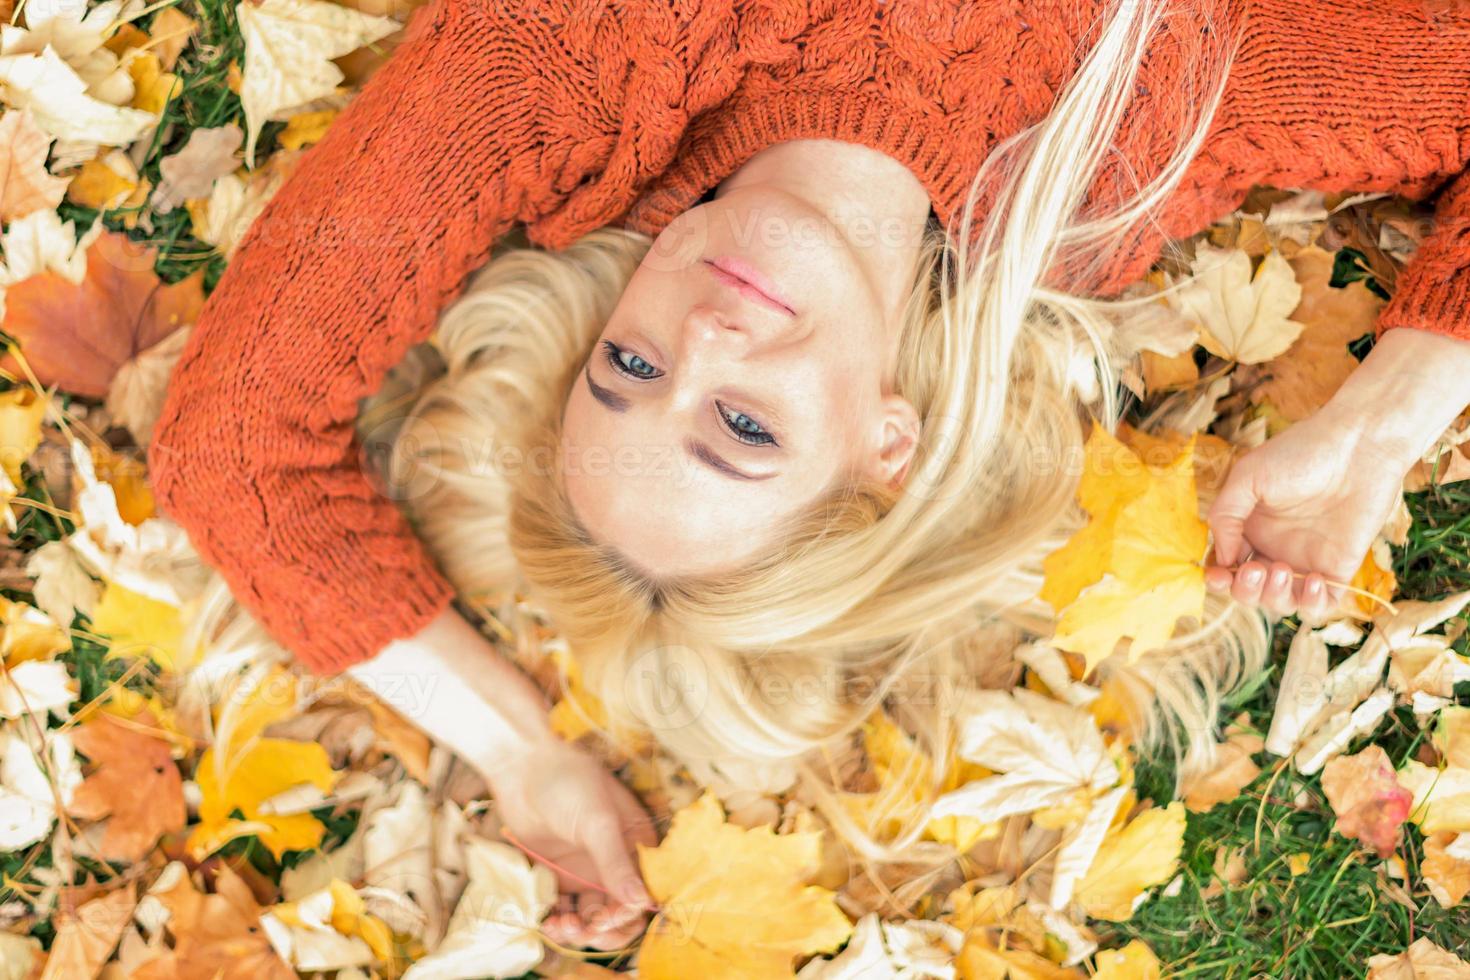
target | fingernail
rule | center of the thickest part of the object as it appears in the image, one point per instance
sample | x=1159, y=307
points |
x=1252, y=576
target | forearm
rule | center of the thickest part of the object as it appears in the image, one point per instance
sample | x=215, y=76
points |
x=1407, y=391
x=448, y=680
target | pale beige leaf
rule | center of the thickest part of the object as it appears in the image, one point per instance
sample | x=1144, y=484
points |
x=1241, y=317
x=86, y=937
x=136, y=395
x=58, y=97
x=494, y=927
x=289, y=45
x=1421, y=961
x=25, y=184
x=208, y=155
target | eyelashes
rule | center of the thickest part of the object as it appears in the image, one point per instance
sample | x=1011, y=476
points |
x=744, y=428
x=740, y=425
x=629, y=368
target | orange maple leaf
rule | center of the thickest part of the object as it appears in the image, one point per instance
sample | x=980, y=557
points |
x=216, y=936
x=136, y=783
x=78, y=336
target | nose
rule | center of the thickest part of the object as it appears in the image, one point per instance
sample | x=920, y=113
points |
x=735, y=329
x=708, y=324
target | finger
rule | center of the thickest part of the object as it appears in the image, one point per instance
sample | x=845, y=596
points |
x=616, y=917
x=565, y=928
x=602, y=836
x=1314, y=606
x=1278, y=594
x=1249, y=581
x=637, y=824
x=614, y=938
x=1218, y=579
x=1228, y=513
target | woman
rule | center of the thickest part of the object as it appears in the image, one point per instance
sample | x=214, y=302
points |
x=752, y=419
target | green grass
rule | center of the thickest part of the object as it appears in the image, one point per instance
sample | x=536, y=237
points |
x=1326, y=922
x=201, y=100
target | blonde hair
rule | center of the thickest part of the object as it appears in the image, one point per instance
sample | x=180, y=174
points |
x=918, y=595
x=868, y=583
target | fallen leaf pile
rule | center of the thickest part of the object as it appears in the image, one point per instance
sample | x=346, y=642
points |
x=172, y=808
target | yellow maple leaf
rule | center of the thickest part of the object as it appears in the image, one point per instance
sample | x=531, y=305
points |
x=979, y=960
x=1375, y=577
x=96, y=185
x=906, y=773
x=1134, y=961
x=152, y=86
x=21, y=414
x=305, y=128
x=349, y=917
x=129, y=481
x=734, y=902
x=29, y=634
x=1142, y=854
x=244, y=769
x=1135, y=568
x=1112, y=477
x=139, y=625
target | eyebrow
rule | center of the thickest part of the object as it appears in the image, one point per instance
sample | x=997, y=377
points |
x=709, y=458
x=610, y=399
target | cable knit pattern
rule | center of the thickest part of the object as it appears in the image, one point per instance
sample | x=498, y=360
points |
x=566, y=115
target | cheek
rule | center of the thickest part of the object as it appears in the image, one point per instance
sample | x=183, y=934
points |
x=850, y=387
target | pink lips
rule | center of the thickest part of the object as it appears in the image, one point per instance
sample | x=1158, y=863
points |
x=749, y=280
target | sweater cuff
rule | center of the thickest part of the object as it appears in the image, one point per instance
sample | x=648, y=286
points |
x=328, y=631
x=1433, y=291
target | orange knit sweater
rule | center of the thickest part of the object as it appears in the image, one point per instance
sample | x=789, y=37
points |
x=566, y=115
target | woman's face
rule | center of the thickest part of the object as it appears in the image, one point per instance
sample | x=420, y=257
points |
x=744, y=372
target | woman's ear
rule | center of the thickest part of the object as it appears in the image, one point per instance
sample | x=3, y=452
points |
x=897, y=439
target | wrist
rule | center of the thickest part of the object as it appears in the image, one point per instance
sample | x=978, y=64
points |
x=453, y=684
x=1408, y=390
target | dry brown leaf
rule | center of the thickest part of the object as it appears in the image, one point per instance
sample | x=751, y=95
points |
x=1246, y=232
x=359, y=65
x=1367, y=798
x=1421, y=961
x=25, y=185
x=207, y=156
x=1446, y=876
x=169, y=34
x=86, y=936
x=1233, y=771
x=135, y=398
x=1160, y=372
x=1230, y=865
x=1451, y=466
x=136, y=783
x=1301, y=380
x=78, y=336
x=218, y=936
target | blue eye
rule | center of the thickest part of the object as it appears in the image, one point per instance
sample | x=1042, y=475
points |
x=629, y=364
x=745, y=428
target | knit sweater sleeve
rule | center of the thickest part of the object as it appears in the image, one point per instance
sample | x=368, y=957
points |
x=347, y=267
x=1366, y=95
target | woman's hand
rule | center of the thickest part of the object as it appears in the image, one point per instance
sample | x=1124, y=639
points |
x=1305, y=507
x=564, y=806
x=555, y=799
x=1309, y=501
